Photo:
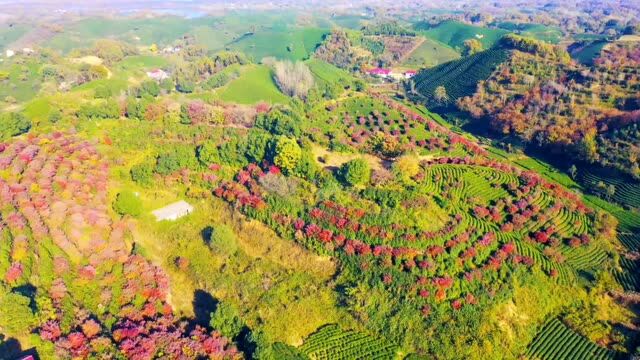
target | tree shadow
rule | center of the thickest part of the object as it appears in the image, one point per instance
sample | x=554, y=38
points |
x=11, y=349
x=206, y=234
x=203, y=305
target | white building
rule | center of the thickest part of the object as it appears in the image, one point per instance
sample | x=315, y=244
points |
x=10, y=53
x=173, y=211
x=158, y=75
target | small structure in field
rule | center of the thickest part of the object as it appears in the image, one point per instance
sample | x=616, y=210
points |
x=173, y=211
x=409, y=74
x=158, y=75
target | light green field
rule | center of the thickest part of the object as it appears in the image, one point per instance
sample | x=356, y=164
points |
x=255, y=84
x=430, y=53
x=454, y=34
x=327, y=73
x=282, y=43
x=24, y=80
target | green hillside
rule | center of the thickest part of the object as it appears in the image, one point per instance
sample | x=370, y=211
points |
x=586, y=51
x=283, y=43
x=459, y=77
x=255, y=84
x=454, y=34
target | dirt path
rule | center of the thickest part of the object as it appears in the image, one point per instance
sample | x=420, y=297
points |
x=406, y=55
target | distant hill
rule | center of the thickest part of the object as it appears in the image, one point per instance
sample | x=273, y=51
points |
x=454, y=33
x=586, y=51
x=459, y=77
x=546, y=33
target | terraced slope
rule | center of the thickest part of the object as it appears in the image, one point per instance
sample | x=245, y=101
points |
x=459, y=77
x=558, y=342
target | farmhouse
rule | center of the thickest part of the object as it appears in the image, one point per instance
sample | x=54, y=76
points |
x=379, y=72
x=158, y=75
x=173, y=211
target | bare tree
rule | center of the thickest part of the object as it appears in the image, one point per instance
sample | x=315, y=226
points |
x=293, y=79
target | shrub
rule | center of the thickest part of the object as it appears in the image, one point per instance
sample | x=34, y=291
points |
x=179, y=158
x=103, y=92
x=149, y=88
x=223, y=240
x=55, y=116
x=355, y=172
x=185, y=86
x=13, y=124
x=100, y=111
x=128, y=203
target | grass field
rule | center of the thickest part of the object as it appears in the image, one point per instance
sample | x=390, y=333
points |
x=454, y=33
x=24, y=80
x=255, y=84
x=431, y=53
x=281, y=43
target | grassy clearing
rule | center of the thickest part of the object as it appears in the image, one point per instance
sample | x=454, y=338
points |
x=454, y=33
x=430, y=53
x=255, y=84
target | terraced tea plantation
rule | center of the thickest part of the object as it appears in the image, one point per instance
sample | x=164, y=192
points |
x=332, y=343
x=485, y=220
x=557, y=341
x=458, y=77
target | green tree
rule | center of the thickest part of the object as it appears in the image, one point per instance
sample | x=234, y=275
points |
x=142, y=173
x=13, y=124
x=128, y=203
x=16, y=315
x=355, y=172
x=257, y=146
x=286, y=153
x=150, y=88
x=176, y=159
x=184, y=115
x=207, y=153
x=472, y=46
x=226, y=320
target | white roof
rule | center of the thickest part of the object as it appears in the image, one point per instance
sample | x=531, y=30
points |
x=173, y=211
